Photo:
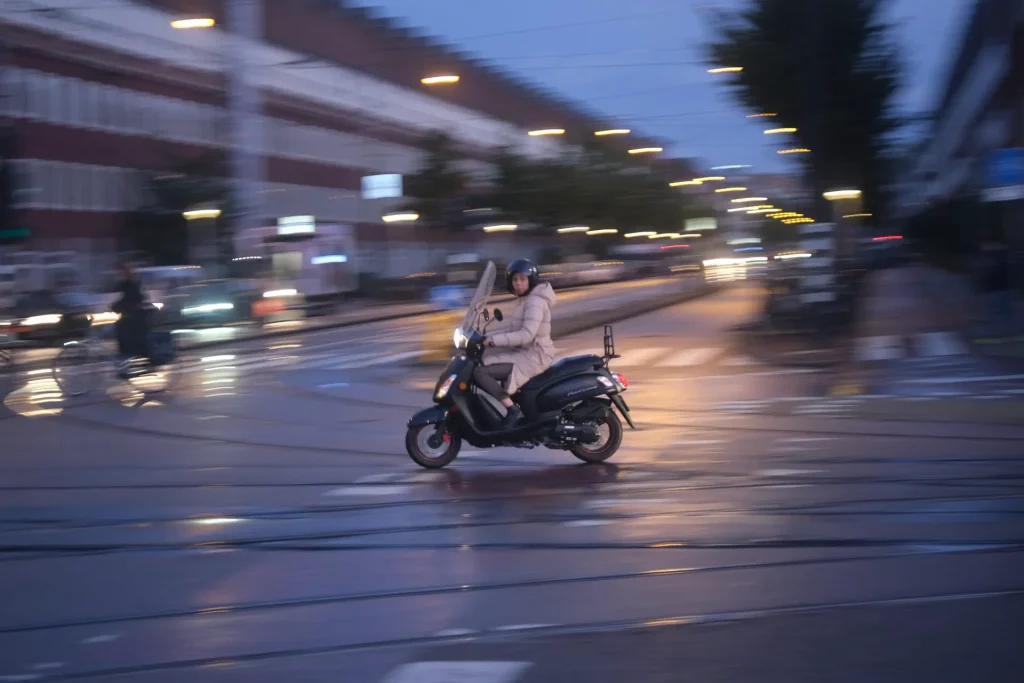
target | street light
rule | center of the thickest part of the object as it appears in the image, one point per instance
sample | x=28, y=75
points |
x=776, y=131
x=731, y=189
x=642, y=233
x=858, y=215
x=730, y=167
x=197, y=214
x=546, y=131
x=761, y=116
x=726, y=70
x=747, y=209
x=193, y=22
x=834, y=195
x=764, y=211
x=612, y=131
x=604, y=231
x=795, y=150
x=685, y=183
x=575, y=228
x=664, y=235
x=401, y=217
x=646, y=150
x=710, y=178
x=747, y=200
x=440, y=80
x=500, y=228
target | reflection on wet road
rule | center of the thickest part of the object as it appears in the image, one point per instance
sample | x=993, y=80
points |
x=261, y=521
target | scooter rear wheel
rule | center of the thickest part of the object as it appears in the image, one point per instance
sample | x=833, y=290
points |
x=430, y=447
x=611, y=439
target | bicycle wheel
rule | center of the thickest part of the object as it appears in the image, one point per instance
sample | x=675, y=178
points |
x=76, y=369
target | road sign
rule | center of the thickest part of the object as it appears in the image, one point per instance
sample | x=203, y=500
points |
x=1004, y=177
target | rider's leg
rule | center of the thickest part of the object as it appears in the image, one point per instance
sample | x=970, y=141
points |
x=489, y=378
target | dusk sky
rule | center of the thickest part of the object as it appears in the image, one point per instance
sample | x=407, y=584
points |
x=639, y=62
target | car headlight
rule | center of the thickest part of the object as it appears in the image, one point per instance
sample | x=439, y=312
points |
x=459, y=338
x=48, y=319
x=442, y=390
x=104, y=318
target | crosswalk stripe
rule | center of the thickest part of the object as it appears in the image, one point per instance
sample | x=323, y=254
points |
x=940, y=344
x=690, y=357
x=637, y=357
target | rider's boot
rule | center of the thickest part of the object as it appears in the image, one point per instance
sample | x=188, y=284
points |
x=512, y=417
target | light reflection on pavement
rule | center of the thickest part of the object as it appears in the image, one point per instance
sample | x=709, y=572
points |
x=261, y=520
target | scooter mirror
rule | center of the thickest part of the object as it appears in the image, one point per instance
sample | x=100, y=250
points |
x=498, y=315
x=487, y=314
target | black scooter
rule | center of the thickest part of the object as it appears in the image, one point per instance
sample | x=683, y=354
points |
x=570, y=406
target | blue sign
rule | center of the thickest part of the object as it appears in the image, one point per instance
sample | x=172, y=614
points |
x=1006, y=167
x=449, y=296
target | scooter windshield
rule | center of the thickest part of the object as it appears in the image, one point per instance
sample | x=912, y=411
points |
x=478, y=303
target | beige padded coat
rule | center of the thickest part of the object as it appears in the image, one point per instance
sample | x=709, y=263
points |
x=524, y=337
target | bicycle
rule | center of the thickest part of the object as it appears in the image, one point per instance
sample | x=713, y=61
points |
x=76, y=369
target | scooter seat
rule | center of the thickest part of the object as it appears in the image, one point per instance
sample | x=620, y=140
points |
x=565, y=366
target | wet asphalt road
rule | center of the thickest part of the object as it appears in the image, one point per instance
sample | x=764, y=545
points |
x=262, y=522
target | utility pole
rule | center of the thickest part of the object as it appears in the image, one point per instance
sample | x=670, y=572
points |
x=244, y=24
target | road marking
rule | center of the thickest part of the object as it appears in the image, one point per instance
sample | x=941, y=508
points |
x=940, y=344
x=522, y=627
x=638, y=357
x=784, y=473
x=369, y=491
x=740, y=360
x=807, y=439
x=458, y=672
x=105, y=638
x=381, y=360
x=586, y=522
x=449, y=632
x=698, y=442
x=690, y=357
x=879, y=348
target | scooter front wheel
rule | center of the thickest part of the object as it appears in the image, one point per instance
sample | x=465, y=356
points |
x=432, y=446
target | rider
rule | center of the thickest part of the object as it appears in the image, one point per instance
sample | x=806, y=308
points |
x=524, y=337
x=133, y=325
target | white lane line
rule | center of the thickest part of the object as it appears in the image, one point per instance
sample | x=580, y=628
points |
x=105, y=638
x=690, y=357
x=940, y=344
x=638, y=357
x=586, y=522
x=879, y=348
x=449, y=632
x=458, y=672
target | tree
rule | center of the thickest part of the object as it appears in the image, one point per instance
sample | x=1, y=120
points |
x=437, y=187
x=831, y=70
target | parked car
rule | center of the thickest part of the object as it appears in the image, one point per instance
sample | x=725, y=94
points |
x=210, y=303
x=46, y=316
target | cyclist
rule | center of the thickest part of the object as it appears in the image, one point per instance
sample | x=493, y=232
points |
x=132, y=326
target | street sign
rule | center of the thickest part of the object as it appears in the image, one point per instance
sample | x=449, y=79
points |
x=1004, y=175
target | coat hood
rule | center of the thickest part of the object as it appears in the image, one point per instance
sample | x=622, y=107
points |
x=545, y=291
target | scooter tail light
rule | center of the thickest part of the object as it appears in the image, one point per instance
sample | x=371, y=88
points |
x=621, y=380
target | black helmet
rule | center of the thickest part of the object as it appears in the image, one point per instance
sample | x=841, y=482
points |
x=523, y=267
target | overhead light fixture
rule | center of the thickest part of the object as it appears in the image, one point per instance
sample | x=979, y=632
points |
x=776, y=131
x=646, y=150
x=500, y=228
x=439, y=80
x=764, y=211
x=747, y=200
x=604, y=231
x=684, y=183
x=196, y=214
x=761, y=116
x=193, y=22
x=546, y=131
x=710, y=178
x=841, y=194
x=747, y=209
x=795, y=150
x=642, y=233
x=402, y=217
x=731, y=189
x=664, y=235
x=730, y=167
x=575, y=228
x=612, y=131
x=858, y=215
x=726, y=70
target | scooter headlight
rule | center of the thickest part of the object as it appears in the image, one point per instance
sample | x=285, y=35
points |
x=442, y=390
x=459, y=338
